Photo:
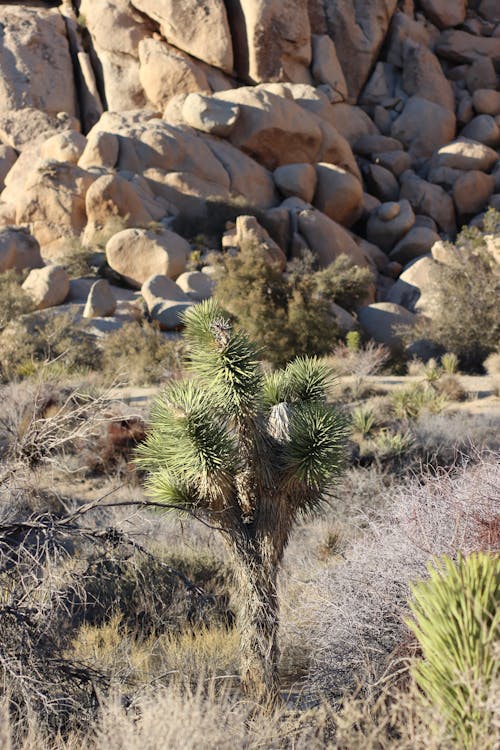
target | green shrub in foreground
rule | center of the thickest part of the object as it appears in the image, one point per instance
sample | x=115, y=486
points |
x=457, y=624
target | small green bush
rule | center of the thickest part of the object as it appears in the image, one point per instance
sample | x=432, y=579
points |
x=54, y=340
x=466, y=314
x=288, y=314
x=457, y=624
x=142, y=353
x=14, y=301
x=408, y=402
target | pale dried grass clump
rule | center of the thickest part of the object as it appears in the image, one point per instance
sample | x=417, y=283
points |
x=358, y=631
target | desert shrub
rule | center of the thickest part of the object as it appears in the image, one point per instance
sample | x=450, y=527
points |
x=34, y=342
x=78, y=260
x=466, y=316
x=363, y=419
x=449, y=363
x=492, y=367
x=457, y=624
x=451, y=388
x=14, y=301
x=361, y=361
x=357, y=609
x=447, y=439
x=408, y=402
x=288, y=314
x=142, y=353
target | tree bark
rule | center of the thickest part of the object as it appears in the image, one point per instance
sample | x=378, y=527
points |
x=258, y=617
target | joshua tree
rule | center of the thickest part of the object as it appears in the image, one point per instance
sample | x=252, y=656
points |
x=249, y=453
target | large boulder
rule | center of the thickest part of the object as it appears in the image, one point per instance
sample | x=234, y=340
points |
x=462, y=47
x=209, y=115
x=424, y=126
x=417, y=242
x=111, y=195
x=47, y=286
x=414, y=288
x=137, y=254
x=201, y=29
x=465, y=154
x=430, y=200
x=187, y=194
x=272, y=40
x=101, y=302
x=66, y=146
x=445, y=13
x=486, y=102
x=165, y=300
x=53, y=201
x=483, y=129
x=166, y=71
x=18, y=249
x=7, y=160
x=385, y=322
x=327, y=239
x=358, y=31
x=101, y=150
x=24, y=128
x=389, y=223
x=35, y=63
x=272, y=129
x=250, y=232
x=472, y=191
x=424, y=77
x=196, y=284
x=296, y=179
x=338, y=194
x=326, y=67
x=116, y=29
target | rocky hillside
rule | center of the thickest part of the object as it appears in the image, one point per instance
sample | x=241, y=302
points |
x=369, y=128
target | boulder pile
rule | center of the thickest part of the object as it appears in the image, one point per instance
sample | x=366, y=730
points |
x=368, y=128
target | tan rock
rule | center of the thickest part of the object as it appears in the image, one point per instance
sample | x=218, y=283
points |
x=483, y=129
x=465, y=154
x=381, y=183
x=387, y=225
x=326, y=67
x=424, y=126
x=345, y=321
x=430, y=200
x=47, y=286
x=481, y=74
x=472, y=191
x=101, y=150
x=201, y=29
x=418, y=241
x=246, y=177
x=445, y=13
x=137, y=254
x=24, y=128
x=384, y=321
x=35, y=63
x=351, y=122
x=358, y=31
x=111, y=196
x=197, y=285
x=116, y=30
x=166, y=71
x=250, y=232
x=67, y=146
x=414, y=289
x=101, y=302
x=272, y=39
x=296, y=179
x=327, y=239
x=396, y=161
x=462, y=47
x=7, y=160
x=406, y=29
x=486, y=102
x=165, y=300
x=187, y=194
x=338, y=194
x=272, y=129
x=18, y=249
x=53, y=201
x=209, y=115
x=424, y=77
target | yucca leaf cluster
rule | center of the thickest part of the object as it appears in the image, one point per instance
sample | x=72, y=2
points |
x=230, y=439
x=457, y=624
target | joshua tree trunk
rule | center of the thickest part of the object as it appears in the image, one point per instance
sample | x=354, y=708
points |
x=258, y=616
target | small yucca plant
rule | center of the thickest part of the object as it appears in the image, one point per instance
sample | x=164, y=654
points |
x=457, y=623
x=249, y=454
